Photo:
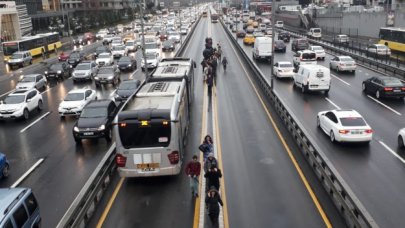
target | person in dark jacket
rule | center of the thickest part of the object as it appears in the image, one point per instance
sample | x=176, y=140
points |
x=211, y=160
x=207, y=146
x=193, y=170
x=213, y=200
x=210, y=83
x=212, y=176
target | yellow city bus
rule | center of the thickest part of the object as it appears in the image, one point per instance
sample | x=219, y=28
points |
x=38, y=44
x=394, y=38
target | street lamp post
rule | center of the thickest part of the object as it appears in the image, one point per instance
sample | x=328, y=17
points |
x=68, y=22
x=143, y=40
x=273, y=35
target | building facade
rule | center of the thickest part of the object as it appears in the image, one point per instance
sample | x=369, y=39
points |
x=9, y=25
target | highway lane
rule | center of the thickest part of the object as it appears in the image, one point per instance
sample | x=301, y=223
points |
x=262, y=184
x=66, y=166
x=370, y=170
x=159, y=201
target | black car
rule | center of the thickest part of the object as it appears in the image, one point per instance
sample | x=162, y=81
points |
x=299, y=44
x=126, y=89
x=79, y=40
x=383, y=86
x=95, y=121
x=127, y=63
x=107, y=75
x=280, y=46
x=284, y=36
x=101, y=49
x=168, y=45
x=75, y=58
x=58, y=70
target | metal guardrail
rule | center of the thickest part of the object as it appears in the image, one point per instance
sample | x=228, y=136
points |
x=351, y=209
x=359, y=54
x=84, y=205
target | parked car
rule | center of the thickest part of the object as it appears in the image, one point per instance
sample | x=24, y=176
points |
x=384, y=86
x=58, y=71
x=378, y=50
x=19, y=208
x=95, y=121
x=84, y=71
x=343, y=63
x=4, y=166
x=75, y=100
x=283, y=69
x=127, y=63
x=107, y=75
x=20, y=59
x=344, y=126
x=20, y=103
x=105, y=59
x=126, y=89
x=63, y=56
x=280, y=46
x=168, y=45
x=32, y=81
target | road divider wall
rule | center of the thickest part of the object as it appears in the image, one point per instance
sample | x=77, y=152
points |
x=350, y=208
x=85, y=203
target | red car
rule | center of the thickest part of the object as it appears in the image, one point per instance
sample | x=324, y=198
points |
x=241, y=34
x=89, y=36
x=163, y=36
x=63, y=56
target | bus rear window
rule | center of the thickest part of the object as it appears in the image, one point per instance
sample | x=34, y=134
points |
x=137, y=134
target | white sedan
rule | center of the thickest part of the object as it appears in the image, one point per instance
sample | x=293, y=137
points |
x=343, y=63
x=75, y=100
x=344, y=126
x=283, y=70
x=319, y=51
x=105, y=59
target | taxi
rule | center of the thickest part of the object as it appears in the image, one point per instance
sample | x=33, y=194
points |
x=249, y=39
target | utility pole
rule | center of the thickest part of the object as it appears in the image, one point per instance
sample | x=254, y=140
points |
x=68, y=22
x=143, y=39
x=273, y=35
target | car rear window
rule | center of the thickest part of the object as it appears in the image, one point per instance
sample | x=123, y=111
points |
x=308, y=56
x=392, y=82
x=352, y=121
x=154, y=134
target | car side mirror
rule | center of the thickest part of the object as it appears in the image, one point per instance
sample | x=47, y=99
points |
x=28, y=100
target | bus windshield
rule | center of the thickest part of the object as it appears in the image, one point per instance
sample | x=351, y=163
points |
x=9, y=48
x=155, y=134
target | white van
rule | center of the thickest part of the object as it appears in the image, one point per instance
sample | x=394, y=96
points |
x=313, y=78
x=315, y=33
x=262, y=48
x=279, y=24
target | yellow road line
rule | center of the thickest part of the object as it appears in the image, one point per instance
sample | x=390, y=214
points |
x=219, y=152
x=110, y=203
x=286, y=147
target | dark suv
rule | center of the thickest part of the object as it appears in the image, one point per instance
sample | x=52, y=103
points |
x=299, y=44
x=95, y=121
x=58, y=70
x=107, y=75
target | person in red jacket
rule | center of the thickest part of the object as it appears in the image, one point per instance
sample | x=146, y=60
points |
x=193, y=170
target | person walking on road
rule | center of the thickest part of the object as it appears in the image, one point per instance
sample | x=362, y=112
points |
x=213, y=175
x=211, y=160
x=224, y=62
x=213, y=200
x=210, y=83
x=193, y=170
x=207, y=146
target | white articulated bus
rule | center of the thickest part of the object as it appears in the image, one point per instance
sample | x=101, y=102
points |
x=151, y=130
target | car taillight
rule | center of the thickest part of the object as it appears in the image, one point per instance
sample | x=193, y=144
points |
x=368, y=131
x=403, y=88
x=174, y=157
x=343, y=131
x=388, y=89
x=120, y=160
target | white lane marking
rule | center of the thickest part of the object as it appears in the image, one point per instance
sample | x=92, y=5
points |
x=133, y=74
x=36, y=121
x=340, y=79
x=336, y=106
x=112, y=93
x=391, y=151
x=7, y=93
x=386, y=106
x=25, y=175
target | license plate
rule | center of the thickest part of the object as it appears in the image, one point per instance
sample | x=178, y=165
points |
x=148, y=166
x=103, y=81
x=356, y=132
x=88, y=133
x=397, y=90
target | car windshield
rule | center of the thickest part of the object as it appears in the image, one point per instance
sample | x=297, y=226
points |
x=56, y=67
x=151, y=46
x=15, y=99
x=105, y=55
x=107, y=70
x=346, y=59
x=94, y=112
x=124, y=60
x=16, y=56
x=116, y=41
x=127, y=86
x=317, y=30
x=118, y=48
x=308, y=56
x=28, y=79
x=74, y=97
x=285, y=65
x=317, y=48
x=130, y=43
x=101, y=49
x=392, y=82
x=150, y=56
x=352, y=121
x=382, y=47
x=74, y=55
x=83, y=67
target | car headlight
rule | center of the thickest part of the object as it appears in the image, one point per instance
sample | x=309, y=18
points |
x=59, y=72
x=46, y=72
x=76, y=129
x=96, y=78
x=101, y=128
x=110, y=77
x=129, y=65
